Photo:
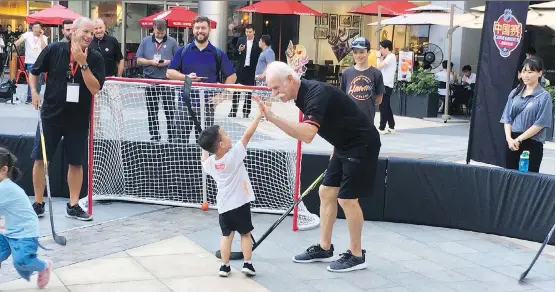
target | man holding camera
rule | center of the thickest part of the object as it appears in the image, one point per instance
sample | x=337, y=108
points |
x=154, y=54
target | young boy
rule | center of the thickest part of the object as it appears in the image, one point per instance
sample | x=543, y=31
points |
x=20, y=238
x=234, y=190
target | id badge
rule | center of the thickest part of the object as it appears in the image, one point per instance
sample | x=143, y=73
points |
x=73, y=93
x=36, y=51
x=157, y=57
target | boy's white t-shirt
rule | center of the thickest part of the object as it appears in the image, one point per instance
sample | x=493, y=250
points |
x=32, y=47
x=231, y=177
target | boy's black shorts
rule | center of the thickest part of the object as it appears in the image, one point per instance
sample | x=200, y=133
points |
x=238, y=219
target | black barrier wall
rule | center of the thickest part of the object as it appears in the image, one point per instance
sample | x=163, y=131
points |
x=482, y=199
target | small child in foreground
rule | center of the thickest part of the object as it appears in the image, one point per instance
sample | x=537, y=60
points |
x=20, y=237
x=235, y=192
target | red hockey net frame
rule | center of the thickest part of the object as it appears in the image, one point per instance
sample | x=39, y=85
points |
x=230, y=87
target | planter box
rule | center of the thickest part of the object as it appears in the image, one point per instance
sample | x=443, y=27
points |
x=413, y=105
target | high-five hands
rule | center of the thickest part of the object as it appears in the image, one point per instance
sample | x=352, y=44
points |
x=263, y=108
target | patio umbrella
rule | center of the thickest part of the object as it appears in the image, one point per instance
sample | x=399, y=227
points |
x=391, y=8
x=280, y=7
x=179, y=17
x=542, y=14
x=53, y=15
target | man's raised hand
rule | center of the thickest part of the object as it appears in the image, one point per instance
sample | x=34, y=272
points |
x=263, y=108
x=78, y=54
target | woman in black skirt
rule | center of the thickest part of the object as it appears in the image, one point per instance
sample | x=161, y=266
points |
x=527, y=116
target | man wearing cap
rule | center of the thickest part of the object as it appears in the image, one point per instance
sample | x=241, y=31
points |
x=363, y=83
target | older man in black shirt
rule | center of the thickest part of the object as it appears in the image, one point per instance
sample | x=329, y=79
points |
x=351, y=171
x=110, y=49
x=75, y=75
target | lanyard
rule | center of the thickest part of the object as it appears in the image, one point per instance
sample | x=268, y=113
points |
x=157, y=45
x=73, y=67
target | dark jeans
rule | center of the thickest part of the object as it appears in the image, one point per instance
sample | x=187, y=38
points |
x=386, y=114
x=246, y=77
x=28, y=67
x=185, y=123
x=535, y=149
x=155, y=93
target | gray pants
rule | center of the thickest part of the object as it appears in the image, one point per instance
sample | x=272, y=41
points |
x=185, y=124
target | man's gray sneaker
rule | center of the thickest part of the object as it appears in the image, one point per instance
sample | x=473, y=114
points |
x=315, y=253
x=77, y=213
x=348, y=262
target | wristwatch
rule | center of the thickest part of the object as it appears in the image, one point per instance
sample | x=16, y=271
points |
x=84, y=66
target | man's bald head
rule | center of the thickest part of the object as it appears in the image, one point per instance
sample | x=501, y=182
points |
x=82, y=31
x=100, y=28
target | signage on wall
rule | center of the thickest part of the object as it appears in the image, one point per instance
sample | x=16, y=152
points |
x=297, y=58
x=405, y=66
x=507, y=31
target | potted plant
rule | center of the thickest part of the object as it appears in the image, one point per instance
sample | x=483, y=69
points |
x=417, y=98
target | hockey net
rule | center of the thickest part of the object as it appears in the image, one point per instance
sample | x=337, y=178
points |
x=131, y=162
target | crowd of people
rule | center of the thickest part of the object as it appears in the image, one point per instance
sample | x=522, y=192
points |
x=78, y=65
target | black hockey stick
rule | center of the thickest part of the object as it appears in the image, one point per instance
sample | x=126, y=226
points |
x=524, y=274
x=237, y=255
x=187, y=99
x=58, y=238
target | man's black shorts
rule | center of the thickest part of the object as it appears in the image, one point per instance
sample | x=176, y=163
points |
x=355, y=176
x=75, y=143
x=238, y=219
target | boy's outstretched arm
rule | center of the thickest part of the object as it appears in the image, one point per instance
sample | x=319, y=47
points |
x=204, y=155
x=251, y=129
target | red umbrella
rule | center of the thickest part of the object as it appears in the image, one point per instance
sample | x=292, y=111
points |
x=176, y=17
x=280, y=7
x=388, y=8
x=53, y=15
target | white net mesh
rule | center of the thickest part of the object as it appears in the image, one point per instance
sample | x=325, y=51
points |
x=145, y=150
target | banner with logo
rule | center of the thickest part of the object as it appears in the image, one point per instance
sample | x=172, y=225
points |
x=405, y=66
x=501, y=46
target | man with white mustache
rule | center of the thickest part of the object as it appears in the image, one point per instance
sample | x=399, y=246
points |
x=75, y=75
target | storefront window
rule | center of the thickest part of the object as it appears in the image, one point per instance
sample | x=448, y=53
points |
x=13, y=13
x=111, y=14
x=236, y=23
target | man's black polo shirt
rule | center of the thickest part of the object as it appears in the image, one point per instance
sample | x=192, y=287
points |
x=110, y=50
x=338, y=118
x=54, y=60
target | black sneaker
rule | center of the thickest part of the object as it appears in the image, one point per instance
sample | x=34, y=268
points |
x=348, y=262
x=248, y=269
x=77, y=213
x=39, y=209
x=224, y=271
x=315, y=253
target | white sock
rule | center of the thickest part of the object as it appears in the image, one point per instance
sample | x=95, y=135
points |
x=227, y=265
x=248, y=262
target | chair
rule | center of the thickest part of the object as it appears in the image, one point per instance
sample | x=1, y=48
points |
x=21, y=69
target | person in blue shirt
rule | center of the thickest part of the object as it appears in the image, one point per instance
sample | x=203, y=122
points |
x=527, y=117
x=20, y=235
x=202, y=62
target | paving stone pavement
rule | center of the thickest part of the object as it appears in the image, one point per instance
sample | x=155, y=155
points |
x=401, y=257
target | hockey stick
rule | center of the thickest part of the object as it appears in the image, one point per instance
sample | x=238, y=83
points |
x=237, y=255
x=187, y=97
x=58, y=238
x=524, y=274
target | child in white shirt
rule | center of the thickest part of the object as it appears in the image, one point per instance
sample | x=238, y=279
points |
x=235, y=192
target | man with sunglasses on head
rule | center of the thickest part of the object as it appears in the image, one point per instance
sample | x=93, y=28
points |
x=362, y=82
